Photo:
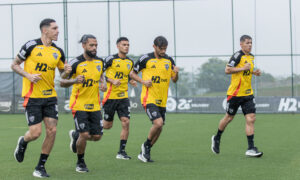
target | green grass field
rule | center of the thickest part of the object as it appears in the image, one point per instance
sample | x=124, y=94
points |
x=182, y=152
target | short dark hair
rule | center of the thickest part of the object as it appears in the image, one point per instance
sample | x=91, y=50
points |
x=121, y=39
x=46, y=22
x=85, y=38
x=160, y=41
x=244, y=37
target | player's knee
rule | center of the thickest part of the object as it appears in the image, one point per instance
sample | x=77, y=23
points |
x=96, y=137
x=84, y=135
x=229, y=118
x=158, y=123
x=51, y=131
x=35, y=133
x=125, y=123
x=107, y=125
x=251, y=119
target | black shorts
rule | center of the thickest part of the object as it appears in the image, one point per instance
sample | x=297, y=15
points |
x=246, y=102
x=122, y=106
x=38, y=108
x=155, y=112
x=88, y=122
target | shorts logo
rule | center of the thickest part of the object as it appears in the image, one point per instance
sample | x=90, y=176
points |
x=31, y=118
x=98, y=68
x=154, y=114
x=230, y=110
x=55, y=55
x=106, y=116
x=81, y=125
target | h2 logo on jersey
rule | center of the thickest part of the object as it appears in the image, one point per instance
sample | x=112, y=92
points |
x=119, y=75
x=43, y=67
x=88, y=83
x=155, y=79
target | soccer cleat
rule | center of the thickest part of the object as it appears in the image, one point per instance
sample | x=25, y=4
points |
x=145, y=154
x=123, y=155
x=81, y=167
x=40, y=172
x=253, y=152
x=20, y=150
x=73, y=136
x=215, y=145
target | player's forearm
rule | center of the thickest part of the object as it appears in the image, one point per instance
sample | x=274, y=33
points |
x=19, y=70
x=64, y=75
x=109, y=79
x=232, y=70
x=175, y=78
x=135, y=77
x=67, y=82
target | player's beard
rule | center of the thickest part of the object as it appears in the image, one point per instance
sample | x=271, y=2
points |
x=91, y=54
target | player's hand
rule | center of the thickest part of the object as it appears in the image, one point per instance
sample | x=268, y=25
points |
x=247, y=66
x=257, y=72
x=67, y=68
x=79, y=79
x=147, y=83
x=175, y=69
x=34, y=78
x=116, y=82
x=133, y=83
x=103, y=87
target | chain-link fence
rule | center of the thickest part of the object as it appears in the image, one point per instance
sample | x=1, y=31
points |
x=202, y=36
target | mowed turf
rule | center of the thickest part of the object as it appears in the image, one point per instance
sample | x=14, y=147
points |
x=182, y=152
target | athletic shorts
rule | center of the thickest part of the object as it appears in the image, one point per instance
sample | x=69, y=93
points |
x=38, y=108
x=122, y=106
x=246, y=102
x=86, y=121
x=155, y=112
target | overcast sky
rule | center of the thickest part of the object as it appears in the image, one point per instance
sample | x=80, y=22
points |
x=203, y=28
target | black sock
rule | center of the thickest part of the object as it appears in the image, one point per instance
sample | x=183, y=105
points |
x=122, y=145
x=250, y=141
x=148, y=143
x=218, y=136
x=80, y=158
x=43, y=159
x=23, y=142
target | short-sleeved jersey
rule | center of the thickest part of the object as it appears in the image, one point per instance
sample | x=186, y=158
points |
x=159, y=70
x=85, y=96
x=40, y=59
x=117, y=68
x=241, y=82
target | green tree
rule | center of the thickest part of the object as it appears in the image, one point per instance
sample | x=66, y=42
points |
x=211, y=75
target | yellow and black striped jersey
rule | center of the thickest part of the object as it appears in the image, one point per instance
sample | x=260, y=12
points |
x=85, y=96
x=241, y=82
x=40, y=59
x=160, y=72
x=117, y=68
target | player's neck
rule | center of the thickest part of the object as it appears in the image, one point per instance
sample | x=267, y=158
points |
x=121, y=55
x=46, y=41
x=86, y=57
x=156, y=55
x=247, y=53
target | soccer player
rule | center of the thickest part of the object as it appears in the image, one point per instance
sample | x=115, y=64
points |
x=157, y=69
x=41, y=57
x=240, y=93
x=86, y=74
x=118, y=67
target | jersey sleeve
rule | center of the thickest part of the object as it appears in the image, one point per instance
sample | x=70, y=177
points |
x=172, y=64
x=107, y=62
x=141, y=63
x=62, y=60
x=73, y=63
x=235, y=59
x=26, y=49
